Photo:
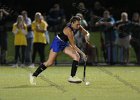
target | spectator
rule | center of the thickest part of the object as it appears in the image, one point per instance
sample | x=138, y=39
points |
x=106, y=24
x=56, y=18
x=135, y=39
x=124, y=36
x=3, y=35
x=82, y=9
x=29, y=37
x=95, y=14
x=20, y=42
x=47, y=33
x=83, y=21
x=79, y=37
x=39, y=27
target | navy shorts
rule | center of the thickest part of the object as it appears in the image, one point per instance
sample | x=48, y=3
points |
x=58, y=45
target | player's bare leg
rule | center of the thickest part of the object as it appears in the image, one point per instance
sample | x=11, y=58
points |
x=43, y=66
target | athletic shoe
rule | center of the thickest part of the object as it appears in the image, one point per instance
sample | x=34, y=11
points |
x=74, y=79
x=32, y=79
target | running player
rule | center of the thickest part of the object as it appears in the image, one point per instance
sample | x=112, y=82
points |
x=64, y=41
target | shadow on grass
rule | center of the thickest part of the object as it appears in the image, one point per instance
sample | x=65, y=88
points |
x=24, y=86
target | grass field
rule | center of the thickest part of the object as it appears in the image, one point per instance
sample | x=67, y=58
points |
x=106, y=83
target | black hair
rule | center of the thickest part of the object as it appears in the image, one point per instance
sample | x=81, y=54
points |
x=75, y=18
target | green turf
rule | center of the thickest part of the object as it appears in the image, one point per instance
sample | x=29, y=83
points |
x=107, y=83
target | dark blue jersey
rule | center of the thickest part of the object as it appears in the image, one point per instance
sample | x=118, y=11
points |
x=60, y=42
x=136, y=30
x=124, y=28
x=105, y=28
x=64, y=37
x=108, y=30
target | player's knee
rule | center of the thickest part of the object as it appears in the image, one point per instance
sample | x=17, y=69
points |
x=77, y=57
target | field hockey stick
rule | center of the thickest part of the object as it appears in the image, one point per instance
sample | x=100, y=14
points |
x=84, y=72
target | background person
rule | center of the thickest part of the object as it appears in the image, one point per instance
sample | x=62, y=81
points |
x=123, y=29
x=29, y=37
x=106, y=24
x=135, y=39
x=20, y=42
x=3, y=35
x=56, y=18
x=80, y=40
x=39, y=27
